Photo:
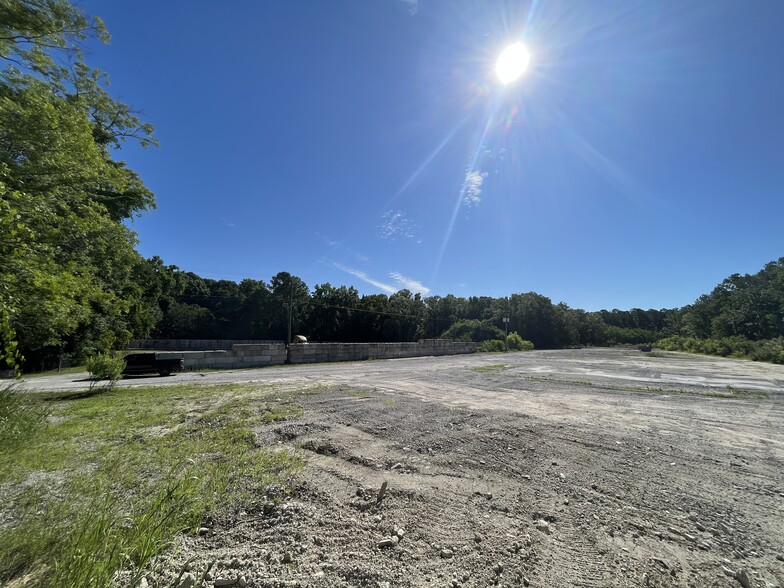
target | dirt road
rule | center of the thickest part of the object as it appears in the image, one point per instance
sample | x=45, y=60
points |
x=563, y=468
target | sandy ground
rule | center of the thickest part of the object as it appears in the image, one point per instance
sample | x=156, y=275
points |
x=586, y=467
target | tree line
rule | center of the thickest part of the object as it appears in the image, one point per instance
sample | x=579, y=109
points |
x=72, y=282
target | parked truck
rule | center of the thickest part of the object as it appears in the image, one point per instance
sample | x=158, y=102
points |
x=148, y=363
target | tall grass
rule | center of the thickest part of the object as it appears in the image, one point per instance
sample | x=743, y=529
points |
x=20, y=417
x=110, y=496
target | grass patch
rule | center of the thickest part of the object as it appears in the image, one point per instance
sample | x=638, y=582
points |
x=69, y=370
x=20, y=419
x=496, y=367
x=105, y=483
x=730, y=392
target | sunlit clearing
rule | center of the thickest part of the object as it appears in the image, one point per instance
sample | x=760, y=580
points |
x=512, y=63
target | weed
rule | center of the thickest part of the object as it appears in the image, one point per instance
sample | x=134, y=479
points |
x=489, y=368
x=20, y=417
x=137, y=467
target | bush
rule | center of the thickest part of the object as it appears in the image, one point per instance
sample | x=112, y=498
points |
x=516, y=343
x=492, y=345
x=105, y=366
x=771, y=350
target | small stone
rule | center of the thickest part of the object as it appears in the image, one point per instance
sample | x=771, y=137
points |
x=203, y=530
x=242, y=582
x=208, y=575
x=544, y=527
x=498, y=568
x=143, y=583
x=377, y=518
x=780, y=557
x=187, y=581
x=728, y=572
x=742, y=576
x=526, y=581
x=400, y=533
x=397, y=466
x=387, y=542
x=447, y=553
x=566, y=502
x=287, y=557
x=224, y=582
x=318, y=541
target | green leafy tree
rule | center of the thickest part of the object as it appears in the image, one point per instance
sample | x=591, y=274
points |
x=473, y=330
x=73, y=285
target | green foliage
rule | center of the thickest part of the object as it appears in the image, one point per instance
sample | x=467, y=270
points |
x=515, y=342
x=105, y=366
x=20, y=418
x=68, y=268
x=628, y=335
x=771, y=350
x=473, y=330
x=493, y=345
x=115, y=494
x=748, y=306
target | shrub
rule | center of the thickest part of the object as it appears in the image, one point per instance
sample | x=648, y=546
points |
x=492, y=345
x=105, y=366
x=516, y=343
x=771, y=350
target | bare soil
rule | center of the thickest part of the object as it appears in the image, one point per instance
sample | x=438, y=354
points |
x=567, y=468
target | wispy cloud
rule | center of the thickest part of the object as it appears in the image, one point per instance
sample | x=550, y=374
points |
x=388, y=288
x=412, y=5
x=408, y=283
x=472, y=187
x=227, y=223
x=396, y=225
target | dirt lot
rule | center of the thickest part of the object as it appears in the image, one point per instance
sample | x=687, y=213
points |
x=564, y=468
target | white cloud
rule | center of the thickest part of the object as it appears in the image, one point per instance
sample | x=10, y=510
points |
x=472, y=187
x=408, y=283
x=389, y=289
x=396, y=225
x=412, y=5
x=226, y=222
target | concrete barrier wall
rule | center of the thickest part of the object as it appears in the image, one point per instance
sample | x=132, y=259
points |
x=239, y=356
x=325, y=352
x=193, y=344
x=247, y=355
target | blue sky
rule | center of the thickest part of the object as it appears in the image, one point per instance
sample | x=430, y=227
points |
x=637, y=162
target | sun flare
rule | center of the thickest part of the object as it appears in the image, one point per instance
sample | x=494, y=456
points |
x=512, y=63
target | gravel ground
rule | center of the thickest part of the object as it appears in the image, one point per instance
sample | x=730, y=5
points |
x=589, y=467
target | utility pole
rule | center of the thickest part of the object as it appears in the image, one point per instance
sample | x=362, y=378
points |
x=291, y=298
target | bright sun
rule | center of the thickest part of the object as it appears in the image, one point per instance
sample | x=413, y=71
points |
x=512, y=63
